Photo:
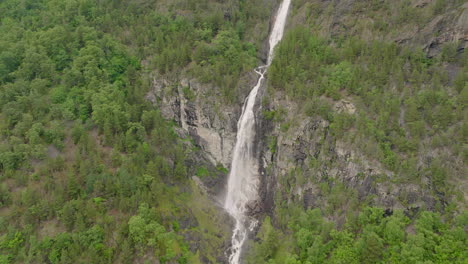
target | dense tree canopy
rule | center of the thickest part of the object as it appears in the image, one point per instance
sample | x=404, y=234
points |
x=90, y=172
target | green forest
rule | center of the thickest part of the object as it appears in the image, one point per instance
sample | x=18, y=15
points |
x=91, y=172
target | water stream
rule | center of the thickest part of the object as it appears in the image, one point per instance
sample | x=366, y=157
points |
x=243, y=178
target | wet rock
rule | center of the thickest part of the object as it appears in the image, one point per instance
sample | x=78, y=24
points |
x=254, y=208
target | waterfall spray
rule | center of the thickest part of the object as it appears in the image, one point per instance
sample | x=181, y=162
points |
x=243, y=178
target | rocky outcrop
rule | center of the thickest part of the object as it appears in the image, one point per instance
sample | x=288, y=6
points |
x=450, y=27
x=354, y=18
x=345, y=106
x=306, y=156
x=200, y=113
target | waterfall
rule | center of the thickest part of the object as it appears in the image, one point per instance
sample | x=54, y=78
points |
x=243, y=178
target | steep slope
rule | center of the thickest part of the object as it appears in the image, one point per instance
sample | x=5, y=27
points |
x=365, y=113
x=90, y=172
x=374, y=106
x=118, y=120
x=364, y=107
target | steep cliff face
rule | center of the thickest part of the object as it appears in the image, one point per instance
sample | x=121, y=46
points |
x=297, y=153
x=301, y=160
x=211, y=125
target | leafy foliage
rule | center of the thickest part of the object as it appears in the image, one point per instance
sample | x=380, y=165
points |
x=82, y=154
x=402, y=95
x=372, y=237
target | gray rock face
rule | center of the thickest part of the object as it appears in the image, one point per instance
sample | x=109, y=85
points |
x=198, y=111
x=451, y=27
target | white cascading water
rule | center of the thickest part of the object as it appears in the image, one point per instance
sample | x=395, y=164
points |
x=243, y=178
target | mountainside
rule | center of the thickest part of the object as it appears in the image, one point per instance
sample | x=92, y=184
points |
x=119, y=118
x=368, y=105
